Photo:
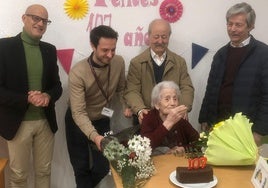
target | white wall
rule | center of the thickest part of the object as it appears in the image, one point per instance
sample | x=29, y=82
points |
x=202, y=22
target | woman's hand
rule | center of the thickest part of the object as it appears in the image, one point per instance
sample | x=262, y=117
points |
x=174, y=116
x=177, y=150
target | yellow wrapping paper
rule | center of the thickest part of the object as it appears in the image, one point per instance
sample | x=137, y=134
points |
x=231, y=143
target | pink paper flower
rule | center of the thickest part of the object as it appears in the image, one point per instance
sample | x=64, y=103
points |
x=171, y=10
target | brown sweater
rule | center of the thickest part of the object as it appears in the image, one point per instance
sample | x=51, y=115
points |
x=182, y=134
x=234, y=59
x=86, y=99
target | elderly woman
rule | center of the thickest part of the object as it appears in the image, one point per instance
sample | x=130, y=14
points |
x=165, y=125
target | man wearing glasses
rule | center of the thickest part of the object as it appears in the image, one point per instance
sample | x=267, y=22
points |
x=29, y=87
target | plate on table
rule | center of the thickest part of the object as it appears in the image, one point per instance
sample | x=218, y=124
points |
x=173, y=179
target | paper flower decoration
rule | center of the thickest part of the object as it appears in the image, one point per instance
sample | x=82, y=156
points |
x=171, y=10
x=76, y=9
x=231, y=142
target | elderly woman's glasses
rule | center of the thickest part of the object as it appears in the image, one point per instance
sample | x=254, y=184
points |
x=37, y=19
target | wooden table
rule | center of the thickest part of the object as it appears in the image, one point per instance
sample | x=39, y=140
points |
x=231, y=177
x=3, y=163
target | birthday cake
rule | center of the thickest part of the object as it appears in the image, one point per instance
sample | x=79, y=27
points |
x=198, y=175
x=197, y=171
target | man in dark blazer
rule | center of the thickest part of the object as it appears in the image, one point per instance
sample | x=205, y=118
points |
x=29, y=87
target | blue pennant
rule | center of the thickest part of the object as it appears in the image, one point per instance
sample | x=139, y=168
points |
x=197, y=53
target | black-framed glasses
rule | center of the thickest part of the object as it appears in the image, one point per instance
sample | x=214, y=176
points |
x=37, y=19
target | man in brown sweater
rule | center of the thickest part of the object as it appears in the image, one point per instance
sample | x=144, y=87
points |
x=92, y=84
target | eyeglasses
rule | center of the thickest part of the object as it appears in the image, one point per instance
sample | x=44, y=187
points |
x=37, y=19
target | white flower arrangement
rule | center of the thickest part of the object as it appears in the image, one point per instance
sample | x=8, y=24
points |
x=132, y=162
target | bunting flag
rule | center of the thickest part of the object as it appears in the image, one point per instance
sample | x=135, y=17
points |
x=198, y=52
x=65, y=57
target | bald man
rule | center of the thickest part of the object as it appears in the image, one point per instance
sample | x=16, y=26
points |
x=29, y=87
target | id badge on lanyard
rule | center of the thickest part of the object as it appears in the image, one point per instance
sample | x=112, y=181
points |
x=105, y=111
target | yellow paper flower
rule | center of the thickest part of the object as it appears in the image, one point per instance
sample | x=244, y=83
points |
x=232, y=143
x=76, y=9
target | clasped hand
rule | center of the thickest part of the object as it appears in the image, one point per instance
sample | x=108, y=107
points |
x=39, y=99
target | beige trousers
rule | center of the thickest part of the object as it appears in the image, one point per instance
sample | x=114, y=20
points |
x=34, y=140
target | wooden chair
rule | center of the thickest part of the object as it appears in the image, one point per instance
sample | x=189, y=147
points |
x=3, y=162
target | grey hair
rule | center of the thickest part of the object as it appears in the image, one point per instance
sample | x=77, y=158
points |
x=157, y=21
x=157, y=91
x=243, y=8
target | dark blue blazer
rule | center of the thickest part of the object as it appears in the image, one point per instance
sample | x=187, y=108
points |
x=250, y=87
x=14, y=84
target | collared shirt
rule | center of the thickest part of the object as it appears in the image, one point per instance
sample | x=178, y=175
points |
x=158, y=60
x=244, y=43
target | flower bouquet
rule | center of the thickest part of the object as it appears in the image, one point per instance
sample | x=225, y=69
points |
x=133, y=163
x=201, y=143
x=231, y=142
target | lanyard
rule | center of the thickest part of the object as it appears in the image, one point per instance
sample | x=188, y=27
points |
x=106, y=95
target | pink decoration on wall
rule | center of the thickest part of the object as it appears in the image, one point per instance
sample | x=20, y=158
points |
x=65, y=57
x=171, y=10
x=100, y=3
